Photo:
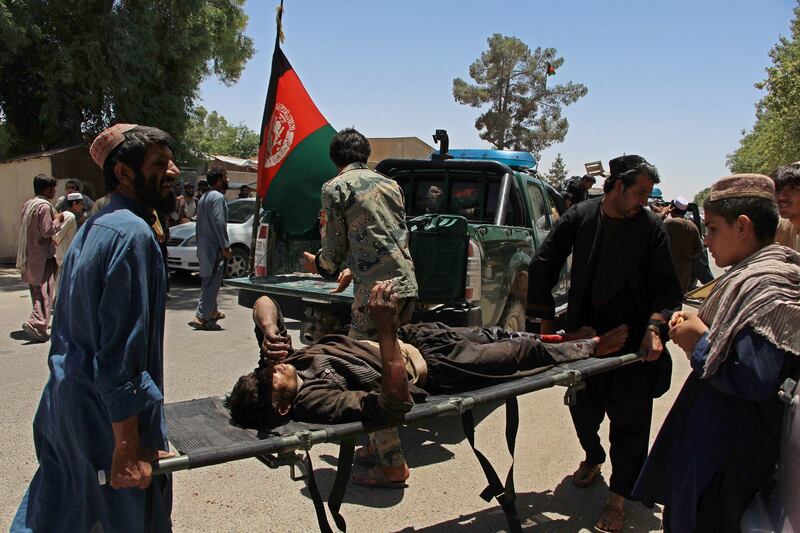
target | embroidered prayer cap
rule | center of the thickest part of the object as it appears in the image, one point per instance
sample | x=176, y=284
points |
x=74, y=196
x=681, y=203
x=107, y=141
x=743, y=186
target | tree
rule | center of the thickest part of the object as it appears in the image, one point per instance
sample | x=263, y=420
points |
x=68, y=69
x=557, y=172
x=210, y=134
x=775, y=137
x=523, y=114
x=701, y=196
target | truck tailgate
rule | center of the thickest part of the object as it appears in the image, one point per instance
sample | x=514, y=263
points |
x=308, y=287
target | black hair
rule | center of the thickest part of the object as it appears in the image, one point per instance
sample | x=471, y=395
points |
x=628, y=177
x=349, y=146
x=250, y=401
x=568, y=196
x=243, y=402
x=202, y=183
x=215, y=174
x=42, y=182
x=786, y=176
x=762, y=211
x=74, y=183
x=131, y=151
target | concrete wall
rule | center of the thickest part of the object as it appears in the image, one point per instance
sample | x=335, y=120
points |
x=403, y=147
x=16, y=182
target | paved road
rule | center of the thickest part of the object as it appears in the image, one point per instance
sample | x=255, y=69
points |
x=247, y=496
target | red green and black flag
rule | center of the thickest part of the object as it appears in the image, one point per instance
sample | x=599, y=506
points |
x=550, y=69
x=293, y=160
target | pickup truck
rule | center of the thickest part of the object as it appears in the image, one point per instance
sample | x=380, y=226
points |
x=475, y=220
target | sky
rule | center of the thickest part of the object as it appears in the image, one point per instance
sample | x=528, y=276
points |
x=672, y=81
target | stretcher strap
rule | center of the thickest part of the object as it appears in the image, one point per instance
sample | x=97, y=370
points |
x=345, y=465
x=313, y=489
x=505, y=495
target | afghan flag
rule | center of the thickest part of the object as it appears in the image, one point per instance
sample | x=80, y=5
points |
x=293, y=156
x=550, y=69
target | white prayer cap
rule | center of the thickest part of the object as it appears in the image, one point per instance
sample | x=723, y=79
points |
x=74, y=196
x=681, y=203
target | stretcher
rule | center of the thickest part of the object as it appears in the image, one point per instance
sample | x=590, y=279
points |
x=203, y=435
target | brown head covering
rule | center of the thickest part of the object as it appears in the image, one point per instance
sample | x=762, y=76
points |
x=743, y=186
x=107, y=141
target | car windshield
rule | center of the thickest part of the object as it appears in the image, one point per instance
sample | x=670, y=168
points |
x=240, y=210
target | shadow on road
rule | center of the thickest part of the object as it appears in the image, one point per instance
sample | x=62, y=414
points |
x=565, y=509
x=10, y=281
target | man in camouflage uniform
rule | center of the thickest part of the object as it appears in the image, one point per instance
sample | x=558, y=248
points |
x=363, y=226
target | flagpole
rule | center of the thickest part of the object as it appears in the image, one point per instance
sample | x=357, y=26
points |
x=279, y=37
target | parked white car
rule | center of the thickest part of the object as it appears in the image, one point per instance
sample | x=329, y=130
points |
x=182, y=245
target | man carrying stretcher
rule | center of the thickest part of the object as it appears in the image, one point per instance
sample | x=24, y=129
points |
x=340, y=379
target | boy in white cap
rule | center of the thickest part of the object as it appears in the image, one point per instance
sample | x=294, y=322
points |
x=69, y=227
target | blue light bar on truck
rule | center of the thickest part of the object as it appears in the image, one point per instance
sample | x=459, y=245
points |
x=511, y=158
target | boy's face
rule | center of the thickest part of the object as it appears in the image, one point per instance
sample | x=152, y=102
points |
x=728, y=243
x=788, y=199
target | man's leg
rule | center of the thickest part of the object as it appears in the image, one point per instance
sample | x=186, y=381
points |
x=630, y=408
x=209, y=289
x=629, y=405
x=391, y=470
x=587, y=415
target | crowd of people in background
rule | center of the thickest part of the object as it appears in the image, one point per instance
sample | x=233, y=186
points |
x=631, y=266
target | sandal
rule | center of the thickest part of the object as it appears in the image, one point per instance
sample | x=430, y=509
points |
x=204, y=325
x=219, y=315
x=586, y=474
x=611, y=521
x=365, y=455
x=375, y=478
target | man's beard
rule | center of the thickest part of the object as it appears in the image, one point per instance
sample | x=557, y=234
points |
x=168, y=203
x=147, y=191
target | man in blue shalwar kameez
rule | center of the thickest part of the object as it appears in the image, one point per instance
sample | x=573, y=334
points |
x=720, y=440
x=213, y=248
x=101, y=409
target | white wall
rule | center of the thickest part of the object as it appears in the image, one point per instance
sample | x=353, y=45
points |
x=16, y=184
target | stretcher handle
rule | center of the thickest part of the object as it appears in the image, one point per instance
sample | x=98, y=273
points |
x=163, y=466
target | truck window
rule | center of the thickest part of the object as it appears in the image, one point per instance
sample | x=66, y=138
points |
x=514, y=210
x=539, y=214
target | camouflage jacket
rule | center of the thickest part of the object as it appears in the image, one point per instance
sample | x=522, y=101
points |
x=362, y=224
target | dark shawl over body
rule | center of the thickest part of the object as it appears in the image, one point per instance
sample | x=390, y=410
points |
x=342, y=376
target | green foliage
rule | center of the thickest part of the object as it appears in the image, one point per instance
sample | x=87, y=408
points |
x=210, y=134
x=557, y=173
x=775, y=138
x=69, y=68
x=701, y=196
x=524, y=113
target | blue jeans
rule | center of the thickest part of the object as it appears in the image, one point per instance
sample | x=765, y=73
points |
x=209, y=288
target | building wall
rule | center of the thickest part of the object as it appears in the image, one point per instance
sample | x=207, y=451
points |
x=16, y=181
x=402, y=147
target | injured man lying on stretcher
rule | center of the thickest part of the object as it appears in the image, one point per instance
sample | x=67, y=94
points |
x=340, y=379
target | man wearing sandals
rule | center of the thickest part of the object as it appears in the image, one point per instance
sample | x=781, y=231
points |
x=341, y=379
x=212, y=248
x=622, y=273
